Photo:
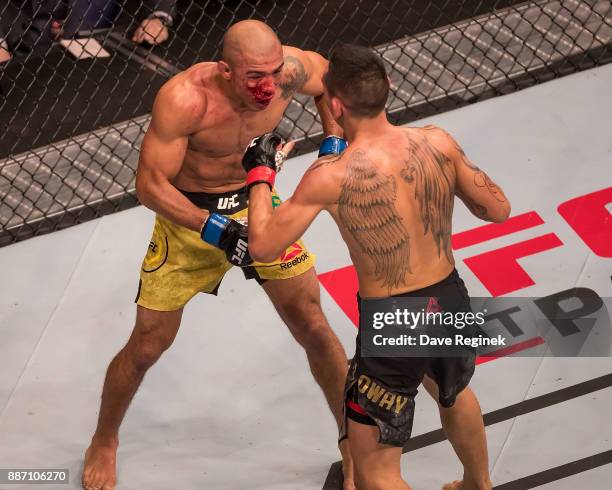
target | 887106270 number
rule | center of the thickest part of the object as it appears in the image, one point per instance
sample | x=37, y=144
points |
x=30, y=476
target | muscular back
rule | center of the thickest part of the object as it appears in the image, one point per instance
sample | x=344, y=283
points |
x=394, y=206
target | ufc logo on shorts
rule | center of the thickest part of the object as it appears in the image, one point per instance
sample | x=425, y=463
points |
x=240, y=251
x=228, y=202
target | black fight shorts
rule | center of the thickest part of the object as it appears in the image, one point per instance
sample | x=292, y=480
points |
x=380, y=391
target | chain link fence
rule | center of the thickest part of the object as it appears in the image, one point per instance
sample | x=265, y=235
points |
x=79, y=81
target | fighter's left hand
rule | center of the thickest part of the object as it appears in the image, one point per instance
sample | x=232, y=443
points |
x=264, y=157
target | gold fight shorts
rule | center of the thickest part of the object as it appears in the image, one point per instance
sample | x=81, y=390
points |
x=178, y=264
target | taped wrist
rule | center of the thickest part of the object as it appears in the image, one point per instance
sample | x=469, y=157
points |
x=332, y=145
x=213, y=229
x=261, y=174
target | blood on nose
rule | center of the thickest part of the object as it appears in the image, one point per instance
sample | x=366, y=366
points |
x=267, y=87
x=263, y=89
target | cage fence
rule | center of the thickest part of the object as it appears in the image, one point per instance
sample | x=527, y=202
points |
x=77, y=80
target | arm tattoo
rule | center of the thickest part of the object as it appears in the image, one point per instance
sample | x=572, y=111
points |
x=433, y=177
x=294, y=76
x=366, y=208
x=481, y=179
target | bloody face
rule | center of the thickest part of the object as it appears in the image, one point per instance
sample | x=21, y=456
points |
x=259, y=79
x=262, y=90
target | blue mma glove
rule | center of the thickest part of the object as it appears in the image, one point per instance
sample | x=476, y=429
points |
x=230, y=236
x=332, y=145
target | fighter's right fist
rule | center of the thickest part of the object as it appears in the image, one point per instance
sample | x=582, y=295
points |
x=262, y=160
x=230, y=236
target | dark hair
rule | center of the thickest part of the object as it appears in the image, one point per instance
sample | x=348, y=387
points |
x=357, y=76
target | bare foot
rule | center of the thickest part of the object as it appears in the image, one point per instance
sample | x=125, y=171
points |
x=456, y=485
x=99, y=469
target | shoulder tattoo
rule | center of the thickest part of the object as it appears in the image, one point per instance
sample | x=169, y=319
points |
x=294, y=76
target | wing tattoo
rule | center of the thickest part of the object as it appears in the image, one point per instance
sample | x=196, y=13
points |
x=434, y=189
x=366, y=208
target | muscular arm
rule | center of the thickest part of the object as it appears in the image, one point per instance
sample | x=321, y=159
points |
x=483, y=197
x=272, y=231
x=161, y=157
x=303, y=73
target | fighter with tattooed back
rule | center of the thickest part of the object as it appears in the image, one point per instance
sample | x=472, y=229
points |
x=391, y=194
x=190, y=174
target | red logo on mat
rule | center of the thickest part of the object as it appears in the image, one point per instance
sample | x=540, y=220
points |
x=291, y=252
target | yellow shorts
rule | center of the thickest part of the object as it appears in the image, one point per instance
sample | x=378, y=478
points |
x=178, y=264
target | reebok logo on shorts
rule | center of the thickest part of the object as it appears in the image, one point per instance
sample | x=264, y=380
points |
x=291, y=252
x=381, y=396
x=294, y=255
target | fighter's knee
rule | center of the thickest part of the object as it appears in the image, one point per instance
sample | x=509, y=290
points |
x=307, y=323
x=315, y=338
x=145, y=354
x=146, y=346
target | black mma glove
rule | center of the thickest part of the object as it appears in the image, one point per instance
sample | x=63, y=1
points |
x=230, y=236
x=262, y=161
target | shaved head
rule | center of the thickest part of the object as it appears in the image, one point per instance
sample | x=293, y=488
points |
x=249, y=40
x=252, y=63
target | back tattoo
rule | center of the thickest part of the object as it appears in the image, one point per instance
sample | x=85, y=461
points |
x=433, y=176
x=366, y=208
